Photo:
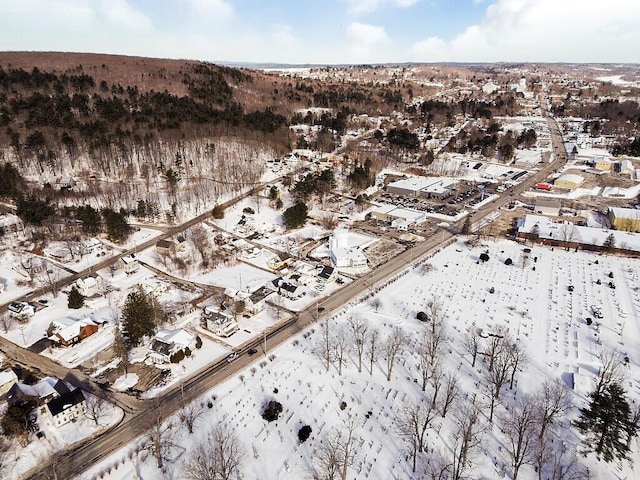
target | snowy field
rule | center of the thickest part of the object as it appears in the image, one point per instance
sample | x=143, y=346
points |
x=535, y=306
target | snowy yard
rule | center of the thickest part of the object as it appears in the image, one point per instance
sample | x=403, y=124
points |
x=535, y=307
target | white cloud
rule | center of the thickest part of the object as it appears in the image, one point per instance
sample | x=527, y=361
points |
x=543, y=30
x=367, y=41
x=217, y=8
x=122, y=14
x=366, y=6
x=366, y=35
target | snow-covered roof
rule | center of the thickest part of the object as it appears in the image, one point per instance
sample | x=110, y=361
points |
x=570, y=177
x=584, y=235
x=179, y=337
x=630, y=213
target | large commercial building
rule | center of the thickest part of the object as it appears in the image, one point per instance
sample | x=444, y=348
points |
x=627, y=219
x=429, y=187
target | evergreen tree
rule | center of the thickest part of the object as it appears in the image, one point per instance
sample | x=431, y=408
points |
x=117, y=227
x=90, y=219
x=75, y=298
x=606, y=423
x=295, y=216
x=609, y=242
x=139, y=317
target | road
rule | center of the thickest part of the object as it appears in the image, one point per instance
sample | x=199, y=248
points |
x=139, y=413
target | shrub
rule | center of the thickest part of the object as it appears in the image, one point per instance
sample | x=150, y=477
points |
x=422, y=316
x=217, y=212
x=248, y=210
x=484, y=257
x=177, y=357
x=508, y=261
x=198, y=342
x=343, y=405
x=304, y=433
x=187, y=352
x=272, y=411
x=492, y=290
x=589, y=321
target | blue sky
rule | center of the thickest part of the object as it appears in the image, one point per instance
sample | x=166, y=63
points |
x=330, y=31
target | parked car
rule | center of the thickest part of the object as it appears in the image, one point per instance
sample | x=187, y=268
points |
x=252, y=351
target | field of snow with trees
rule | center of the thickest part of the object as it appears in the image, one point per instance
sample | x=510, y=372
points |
x=483, y=361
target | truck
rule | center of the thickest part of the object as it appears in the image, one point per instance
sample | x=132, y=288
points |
x=544, y=186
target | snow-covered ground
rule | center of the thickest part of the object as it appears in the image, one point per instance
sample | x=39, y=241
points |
x=55, y=439
x=531, y=301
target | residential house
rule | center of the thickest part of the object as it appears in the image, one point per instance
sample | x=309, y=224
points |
x=7, y=379
x=280, y=261
x=166, y=247
x=91, y=246
x=153, y=289
x=326, y=274
x=220, y=323
x=168, y=342
x=11, y=223
x=38, y=394
x=68, y=331
x=129, y=264
x=626, y=167
x=289, y=290
x=21, y=310
x=89, y=286
x=66, y=408
x=254, y=301
x=65, y=183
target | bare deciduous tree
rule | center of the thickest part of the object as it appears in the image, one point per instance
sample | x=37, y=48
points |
x=159, y=436
x=324, y=347
x=336, y=453
x=465, y=439
x=219, y=457
x=451, y=392
x=190, y=413
x=437, y=467
x=550, y=403
x=376, y=303
x=472, y=344
x=412, y=424
x=393, y=346
x=372, y=348
x=96, y=409
x=494, y=380
x=611, y=371
x=340, y=344
x=519, y=428
x=569, y=234
x=516, y=357
x=359, y=330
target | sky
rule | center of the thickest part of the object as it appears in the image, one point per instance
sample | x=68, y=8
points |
x=330, y=31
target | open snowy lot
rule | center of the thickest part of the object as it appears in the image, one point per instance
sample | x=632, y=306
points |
x=529, y=300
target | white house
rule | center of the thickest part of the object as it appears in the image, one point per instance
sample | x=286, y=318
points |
x=153, y=289
x=89, y=286
x=129, y=264
x=21, y=310
x=91, y=246
x=66, y=408
x=220, y=323
x=168, y=342
x=254, y=301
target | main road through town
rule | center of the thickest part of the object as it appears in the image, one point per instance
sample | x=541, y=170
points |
x=141, y=414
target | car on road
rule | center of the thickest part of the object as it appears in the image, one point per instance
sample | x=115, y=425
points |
x=252, y=351
x=232, y=357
